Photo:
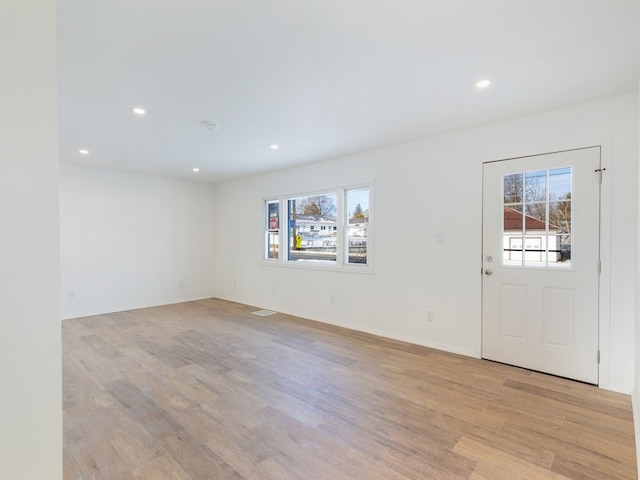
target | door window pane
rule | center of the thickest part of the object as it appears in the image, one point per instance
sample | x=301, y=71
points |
x=513, y=188
x=536, y=216
x=560, y=184
x=560, y=216
x=534, y=250
x=535, y=186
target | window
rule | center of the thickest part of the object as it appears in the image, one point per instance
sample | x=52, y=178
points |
x=537, y=218
x=272, y=229
x=329, y=228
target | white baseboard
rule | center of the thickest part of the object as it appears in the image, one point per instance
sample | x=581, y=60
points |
x=616, y=388
x=636, y=423
x=124, y=308
x=372, y=331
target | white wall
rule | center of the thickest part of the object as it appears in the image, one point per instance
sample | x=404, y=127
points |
x=435, y=186
x=131, y=241
x=30, y=367
x=636, y=386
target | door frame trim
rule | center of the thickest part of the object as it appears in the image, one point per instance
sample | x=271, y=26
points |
x=604, y=294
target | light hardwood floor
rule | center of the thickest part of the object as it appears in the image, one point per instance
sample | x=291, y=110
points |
x=206, y=390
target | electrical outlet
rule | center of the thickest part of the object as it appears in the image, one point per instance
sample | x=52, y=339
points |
x=181, y=283
x=332, y=299
x=274, y=289
x=431, y=316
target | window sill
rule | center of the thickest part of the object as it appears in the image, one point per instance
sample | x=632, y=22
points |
x=322, y=267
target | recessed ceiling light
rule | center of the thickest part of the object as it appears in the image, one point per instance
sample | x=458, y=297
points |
x=196, y=169
x=83, y=151
x=139, y=111
x=274, y=147
x=483, y=84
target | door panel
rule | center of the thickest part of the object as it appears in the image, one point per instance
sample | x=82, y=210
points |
x=540, y=262
x=557, y=317
x=513, y=312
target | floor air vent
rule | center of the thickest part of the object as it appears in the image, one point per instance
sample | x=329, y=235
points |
x=263, y=313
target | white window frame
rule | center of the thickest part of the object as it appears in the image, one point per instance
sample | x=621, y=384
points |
x=266, y=230
x=342, y=241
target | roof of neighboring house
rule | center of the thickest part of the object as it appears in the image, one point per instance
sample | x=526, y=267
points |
x=513, y=221
x=302, y=218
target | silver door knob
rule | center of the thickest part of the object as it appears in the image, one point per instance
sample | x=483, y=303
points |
x=488, y=272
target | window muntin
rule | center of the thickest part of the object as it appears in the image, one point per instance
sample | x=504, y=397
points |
x=537, y=218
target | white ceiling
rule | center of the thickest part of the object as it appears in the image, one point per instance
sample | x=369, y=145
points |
x=321, y=78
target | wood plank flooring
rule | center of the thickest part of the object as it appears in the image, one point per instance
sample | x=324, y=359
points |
x=205, y=390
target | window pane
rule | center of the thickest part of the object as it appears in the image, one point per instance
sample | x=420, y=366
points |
x=311, y=228
x=560, y=216
x=559, y=251
x=536, y=216
x=535, y=250
x=273, y=215
x=272, y=228
x=358, y=224
x=513, y=188
x=273, y=239
x=560, y=184
x=535, y=186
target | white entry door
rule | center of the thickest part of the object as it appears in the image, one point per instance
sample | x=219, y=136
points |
x=541, y=221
